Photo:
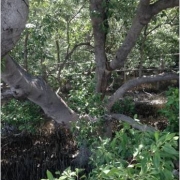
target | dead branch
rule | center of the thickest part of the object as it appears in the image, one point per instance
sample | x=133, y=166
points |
x=132, y=122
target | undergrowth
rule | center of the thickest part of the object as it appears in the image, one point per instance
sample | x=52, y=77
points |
x=131, y=154
x=23, y=116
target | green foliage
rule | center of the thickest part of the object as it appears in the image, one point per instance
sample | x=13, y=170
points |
x=135, y=155
x=49, y=23
x=69, y=24
x=124, y=106
x=23, y=115
x=85, y=100
x=49, y=175
x=87, y=132
x=67, y=174
x=131, y=154
x=153, y=50
x=171, y=109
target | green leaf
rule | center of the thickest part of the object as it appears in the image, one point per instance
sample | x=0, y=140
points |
x=176, y=138
x=156, y=160
x=170, y=136
x=49, y=175
x=114, y=171
x=162, y=139
x=169, y=149
x=156, y=135
x=106, y=171
x=167, y=175
x=63, y=177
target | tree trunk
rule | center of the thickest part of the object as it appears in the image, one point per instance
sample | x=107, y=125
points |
x=36, y=90
x=98, y=12
x=14, y=16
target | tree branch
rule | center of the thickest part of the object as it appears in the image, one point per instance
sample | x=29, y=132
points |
x=77, y=12
x=132, y=35
x=75, y=47
x=132, y=122
x=136, y=82
x=68, y=55
x=145, y=12
x=145, y=2
x=162, y=5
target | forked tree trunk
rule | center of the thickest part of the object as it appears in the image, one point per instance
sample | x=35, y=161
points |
x=99, y=18
x=145, y=12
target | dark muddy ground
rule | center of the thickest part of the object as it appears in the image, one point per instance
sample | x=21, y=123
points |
x=27, y=157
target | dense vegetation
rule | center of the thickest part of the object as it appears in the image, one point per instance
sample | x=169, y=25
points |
x=58, y=46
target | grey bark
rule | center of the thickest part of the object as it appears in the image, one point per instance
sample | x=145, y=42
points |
x=136, y=82
x=145, y=12
x=14, y=15
x=133, y=123
x=36, y=90
x=98, y=13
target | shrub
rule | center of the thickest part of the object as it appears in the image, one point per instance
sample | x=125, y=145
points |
x=135, y=155
x=131, y=154
x=124, y=106
x=22, y=115
x=85, y=100
x=171, y=109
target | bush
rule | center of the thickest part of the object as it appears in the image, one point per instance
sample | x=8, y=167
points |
x=22, y=115
x=135, y=155
x=171, y=109
x=85, y=101
x=125, y=106
x=131, y=154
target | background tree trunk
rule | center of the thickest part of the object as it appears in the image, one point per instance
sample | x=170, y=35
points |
x=99, y=19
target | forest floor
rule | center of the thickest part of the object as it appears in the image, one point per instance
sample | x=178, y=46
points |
x=147, y=107
x=27, y=156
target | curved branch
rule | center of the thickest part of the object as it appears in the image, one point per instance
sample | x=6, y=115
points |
x=70, y=53
x=75, y=47
x=136, y=82
x=162, y=5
